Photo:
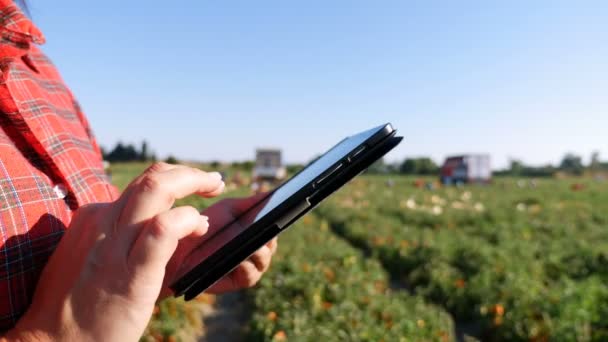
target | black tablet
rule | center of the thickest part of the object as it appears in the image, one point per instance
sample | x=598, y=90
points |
x=234, y=243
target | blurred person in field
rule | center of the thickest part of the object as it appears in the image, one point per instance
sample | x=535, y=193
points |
x=78, y=260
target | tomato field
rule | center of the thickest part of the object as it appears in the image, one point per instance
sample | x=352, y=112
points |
x=518, y=260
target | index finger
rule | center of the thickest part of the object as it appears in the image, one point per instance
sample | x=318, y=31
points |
x=157, y=192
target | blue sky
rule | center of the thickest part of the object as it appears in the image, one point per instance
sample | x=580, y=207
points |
x=215, y=79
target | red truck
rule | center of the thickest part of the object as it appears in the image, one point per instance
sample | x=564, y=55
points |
x=470, y=168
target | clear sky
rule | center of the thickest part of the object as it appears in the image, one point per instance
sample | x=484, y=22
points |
x=209, y=79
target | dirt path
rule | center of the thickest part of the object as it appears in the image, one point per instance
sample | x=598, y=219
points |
x=227, y=319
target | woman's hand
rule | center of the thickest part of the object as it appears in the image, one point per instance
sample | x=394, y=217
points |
x=103, y=280
x=249, y=272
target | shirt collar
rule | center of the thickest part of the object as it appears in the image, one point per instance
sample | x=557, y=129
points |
x=17, y=31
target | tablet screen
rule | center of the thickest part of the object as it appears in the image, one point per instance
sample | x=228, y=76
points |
x=314, y=170
x=213, y=241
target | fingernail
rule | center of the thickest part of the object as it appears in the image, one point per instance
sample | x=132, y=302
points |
x=216, y=175
x=204, y=225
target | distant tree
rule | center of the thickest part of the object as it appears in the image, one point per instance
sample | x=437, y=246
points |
x=122, y=153
x=214, y=164
x=543, y=171
x=519, y=169
x=104, y=153
x=516, y=167
x=427, y=166
x=243, y=166
x=143, y=155
x=294, y=168
x=408, y=166
x=595, y=163
x=419, y=166
x=392, y=168
x=379, y=166
x=171, y=160
x=118, y=153
x=128, y=152
x=572, y=164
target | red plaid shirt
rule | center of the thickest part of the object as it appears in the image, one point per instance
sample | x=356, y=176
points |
x=50, y=163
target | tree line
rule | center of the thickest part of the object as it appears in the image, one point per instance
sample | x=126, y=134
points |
x=130, y=153
x=570, y=163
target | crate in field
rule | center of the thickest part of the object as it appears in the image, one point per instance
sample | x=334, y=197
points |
x=470, y=168
x=268, y=165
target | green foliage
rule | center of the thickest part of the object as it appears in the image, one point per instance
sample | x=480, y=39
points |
x=320, y=287
x=419, y=166
x=246, y=166
x=595, y=164
x=519, y=169
x=378, y=167
x=519, y=263
x=144, y=155
x=572, y=164
x=173, y=320
x=294, y=168
x=128, y=153
x=171, y=160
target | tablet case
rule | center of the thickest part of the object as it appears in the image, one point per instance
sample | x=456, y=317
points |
x=273, y=223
